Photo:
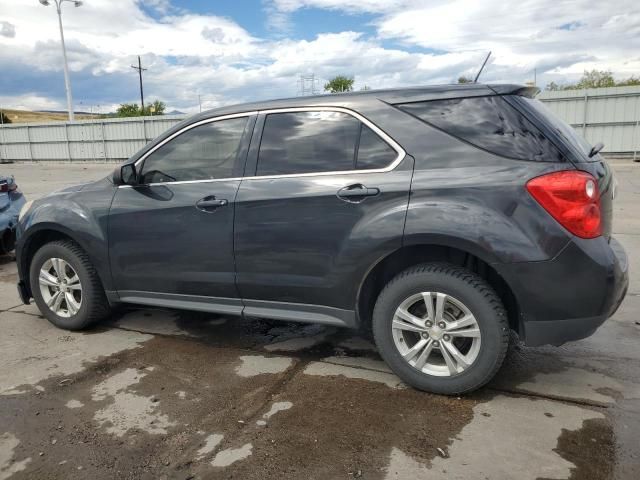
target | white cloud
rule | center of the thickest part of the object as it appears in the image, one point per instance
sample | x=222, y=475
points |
x=7, y=30
x=30, y=101
x=188, y=54
x=527, y=35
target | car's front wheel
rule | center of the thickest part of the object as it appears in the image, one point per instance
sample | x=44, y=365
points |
x=441, y=328
x=66, y=286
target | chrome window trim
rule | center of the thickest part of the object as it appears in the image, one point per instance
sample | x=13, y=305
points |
x=386, y=138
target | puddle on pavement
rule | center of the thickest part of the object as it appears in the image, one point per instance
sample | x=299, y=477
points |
x=197, y=413
x=591, y=449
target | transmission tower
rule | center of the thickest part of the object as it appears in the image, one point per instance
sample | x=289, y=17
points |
x=308, y=85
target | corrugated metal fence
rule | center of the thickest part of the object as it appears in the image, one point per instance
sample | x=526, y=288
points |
x=608, y=115
x=113, y=139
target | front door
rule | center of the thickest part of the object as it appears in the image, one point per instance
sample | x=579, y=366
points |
x=171, y=236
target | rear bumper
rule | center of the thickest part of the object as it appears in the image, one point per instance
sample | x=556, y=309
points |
x=569, y=297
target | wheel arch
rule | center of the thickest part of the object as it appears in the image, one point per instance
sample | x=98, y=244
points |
x=40, y=235
x=455, y=252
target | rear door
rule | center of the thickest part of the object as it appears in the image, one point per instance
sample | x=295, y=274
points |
x=171, y=236
x=328, y=198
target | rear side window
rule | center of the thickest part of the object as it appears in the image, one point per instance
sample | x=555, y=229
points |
x=306, y=142
x=489, y=123
x=319, y=141
x=373, y=151
x=567, y=134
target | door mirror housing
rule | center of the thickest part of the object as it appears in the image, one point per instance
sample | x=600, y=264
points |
x=126, y=175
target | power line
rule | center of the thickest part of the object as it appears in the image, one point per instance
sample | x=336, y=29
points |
x=140, y=70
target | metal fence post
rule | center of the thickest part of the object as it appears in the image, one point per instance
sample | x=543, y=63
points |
x=2, y=144
x=634, y=137
x=104, y=145
x=30, y=144
x=584, y=118
x=66, y=137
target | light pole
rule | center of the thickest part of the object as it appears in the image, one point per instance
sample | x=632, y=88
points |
x=67, y=82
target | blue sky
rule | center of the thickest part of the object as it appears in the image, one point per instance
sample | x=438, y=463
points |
x=233, y=51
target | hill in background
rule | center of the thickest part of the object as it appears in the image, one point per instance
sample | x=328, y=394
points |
x=24, y=116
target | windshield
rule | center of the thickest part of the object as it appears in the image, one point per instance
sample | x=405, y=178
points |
x=559, y=126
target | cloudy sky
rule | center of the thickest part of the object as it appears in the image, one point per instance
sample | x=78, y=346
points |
x=242, y=50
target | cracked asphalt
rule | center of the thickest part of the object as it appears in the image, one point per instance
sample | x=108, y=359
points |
x=154, y=394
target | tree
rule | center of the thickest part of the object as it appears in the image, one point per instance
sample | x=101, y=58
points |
x=157, y=107
x=632, y=80
x=594, y=79
x=553, y=87
x=128, y=110
x=339, y=84
x=463, y=79
x=5, y=119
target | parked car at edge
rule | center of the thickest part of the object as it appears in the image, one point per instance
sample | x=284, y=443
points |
x=439, y=217
x=11, y=201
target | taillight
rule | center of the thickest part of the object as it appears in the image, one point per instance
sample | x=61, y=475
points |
x=572, y=198
x=7, y=187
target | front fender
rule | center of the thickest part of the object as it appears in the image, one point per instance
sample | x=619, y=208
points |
x=81, y=216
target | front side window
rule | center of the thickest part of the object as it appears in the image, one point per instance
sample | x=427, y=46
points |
x=489, y=123
x=205, y=152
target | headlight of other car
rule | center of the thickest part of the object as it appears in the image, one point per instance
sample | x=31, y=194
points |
x=25, y=208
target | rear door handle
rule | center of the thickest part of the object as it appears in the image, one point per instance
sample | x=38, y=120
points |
x=211, y=203
x=357, y=193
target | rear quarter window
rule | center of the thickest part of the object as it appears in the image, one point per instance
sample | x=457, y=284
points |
x=489, y=123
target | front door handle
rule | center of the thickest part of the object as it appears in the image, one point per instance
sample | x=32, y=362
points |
x=357, y=193
x=211, y=203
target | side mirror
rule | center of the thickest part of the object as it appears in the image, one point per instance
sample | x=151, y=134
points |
x=126, y=175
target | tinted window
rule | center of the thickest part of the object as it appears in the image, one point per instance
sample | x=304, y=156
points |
x=561, y=128
x=202, y=153
x=489, y=123
x=373, y=151
x=306, y=142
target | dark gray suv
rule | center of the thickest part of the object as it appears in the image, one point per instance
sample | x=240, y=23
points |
x=438, y=217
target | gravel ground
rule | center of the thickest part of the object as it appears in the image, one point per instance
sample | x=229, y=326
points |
x=166, y=394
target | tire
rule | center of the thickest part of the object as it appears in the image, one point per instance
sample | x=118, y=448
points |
x=462, y=293
x=89, y=304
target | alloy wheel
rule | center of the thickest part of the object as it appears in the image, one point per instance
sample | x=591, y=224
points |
x=60, y=287
x=436, y=334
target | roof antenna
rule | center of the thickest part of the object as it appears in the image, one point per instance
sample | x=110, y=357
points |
x=482, y=67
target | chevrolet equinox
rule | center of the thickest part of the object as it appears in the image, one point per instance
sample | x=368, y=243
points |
x=438, y=218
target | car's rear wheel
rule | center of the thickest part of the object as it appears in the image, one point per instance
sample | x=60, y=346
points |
x=66, y=286
x=441, y=328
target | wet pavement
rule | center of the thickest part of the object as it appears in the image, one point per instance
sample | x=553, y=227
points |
x=167, y=394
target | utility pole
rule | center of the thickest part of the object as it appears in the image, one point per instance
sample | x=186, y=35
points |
x=140, y=70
